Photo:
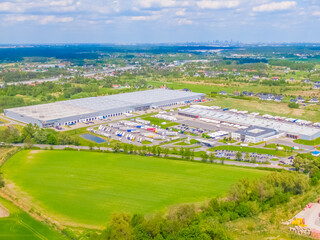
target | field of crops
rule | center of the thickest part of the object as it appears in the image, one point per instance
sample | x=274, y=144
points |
x=84, y=188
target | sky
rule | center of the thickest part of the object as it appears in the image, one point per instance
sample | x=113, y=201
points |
x=158, y=21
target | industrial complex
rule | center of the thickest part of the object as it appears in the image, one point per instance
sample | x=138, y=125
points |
x=253, y=127
x=88, y=109
x=247, y=127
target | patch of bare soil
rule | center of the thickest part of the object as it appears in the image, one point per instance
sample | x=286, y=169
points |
x=4, y=212
x=34, y=151
x=203, y=83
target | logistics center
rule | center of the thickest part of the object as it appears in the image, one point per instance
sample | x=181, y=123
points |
x=87, y=109
x=243, y=120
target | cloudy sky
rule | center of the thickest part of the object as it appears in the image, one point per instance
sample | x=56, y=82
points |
x=158, y=21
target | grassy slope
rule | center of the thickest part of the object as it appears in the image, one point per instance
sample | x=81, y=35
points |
x=19, y=225
x=86, y=187
x=267, y=225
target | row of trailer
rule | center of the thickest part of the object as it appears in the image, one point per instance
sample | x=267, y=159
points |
x=166, y=117
x=219, y=123
x=255, y=114
x=134, y=131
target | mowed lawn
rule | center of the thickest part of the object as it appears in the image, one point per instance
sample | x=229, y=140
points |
x=85, y=188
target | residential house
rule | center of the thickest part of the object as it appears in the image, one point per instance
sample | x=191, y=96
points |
x=255, y=78
x=251, y=94
x=314, y=100
x=300, y=99
x=223, y=93
x=293, y=100
x=278, y=98
x=267, y=97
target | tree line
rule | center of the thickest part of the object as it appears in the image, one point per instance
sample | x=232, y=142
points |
x=33, y=134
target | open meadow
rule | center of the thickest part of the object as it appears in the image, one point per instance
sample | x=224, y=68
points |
x=85, y=188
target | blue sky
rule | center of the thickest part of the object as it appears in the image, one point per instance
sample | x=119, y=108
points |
x=158, y=21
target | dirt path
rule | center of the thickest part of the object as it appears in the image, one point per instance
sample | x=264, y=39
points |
x=3, y=212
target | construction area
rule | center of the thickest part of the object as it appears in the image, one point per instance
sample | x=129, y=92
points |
x=307, y=222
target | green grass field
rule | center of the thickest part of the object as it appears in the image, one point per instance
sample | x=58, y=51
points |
x=19, y=225
x=158, y=122
x=308, y=142
x=84, y=188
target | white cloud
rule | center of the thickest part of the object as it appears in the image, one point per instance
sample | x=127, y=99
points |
x=184, y=21
x=275, y=6
x=144, y=18
x=43, y=20
x=39, y=6
x=217, y=4
x=181, y=12
x=53, y=19
x=156, y=3
x=10, y=7
x=62, y=3
x=316, y=13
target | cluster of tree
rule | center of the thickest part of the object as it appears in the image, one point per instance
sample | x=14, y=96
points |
x=293, y=105
x=246, y=198
x=10, y=102
x=247, y=60
x=33, y=134
x=156, y=151
x=308, y=164
x=273, y=83
x=307, y=66
x=24, y=76
x=11, y=96
x=1, y=181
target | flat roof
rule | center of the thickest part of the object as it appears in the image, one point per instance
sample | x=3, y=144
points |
x=255, y=131
x=248, y=120
x=75, y=107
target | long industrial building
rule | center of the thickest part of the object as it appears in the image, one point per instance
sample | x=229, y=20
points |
x=291, y=129
x=89, y=109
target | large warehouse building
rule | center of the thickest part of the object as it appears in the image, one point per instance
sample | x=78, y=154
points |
x=88, y=109
x=291, y=129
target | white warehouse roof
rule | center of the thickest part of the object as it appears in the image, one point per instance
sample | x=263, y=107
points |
x=247, y=119
x=93, y=105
